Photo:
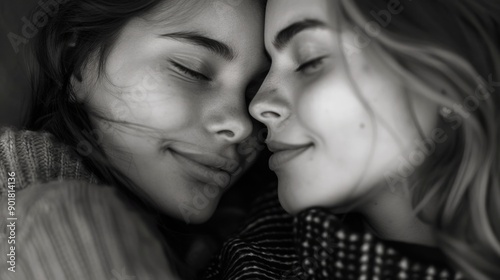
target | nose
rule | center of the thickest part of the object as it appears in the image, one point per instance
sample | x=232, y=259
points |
x=231, y=123
x=269, y=106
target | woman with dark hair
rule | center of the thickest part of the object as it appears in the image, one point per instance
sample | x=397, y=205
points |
x=385, y=109
x=146, y=97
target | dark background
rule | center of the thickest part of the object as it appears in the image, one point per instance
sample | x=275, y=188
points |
x=14, y=83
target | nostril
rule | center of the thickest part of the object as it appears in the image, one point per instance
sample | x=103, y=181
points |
x=227, y=133
x=269, y=114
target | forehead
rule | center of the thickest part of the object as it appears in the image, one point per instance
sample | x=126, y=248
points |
x=282, y=13
x=225, y=20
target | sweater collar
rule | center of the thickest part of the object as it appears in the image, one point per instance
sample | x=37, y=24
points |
x=335, y=247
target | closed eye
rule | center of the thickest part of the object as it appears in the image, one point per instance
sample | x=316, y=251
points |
x=311, y=65
x=193, y=74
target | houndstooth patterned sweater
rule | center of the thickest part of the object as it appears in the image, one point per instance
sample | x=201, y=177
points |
x=317, y=245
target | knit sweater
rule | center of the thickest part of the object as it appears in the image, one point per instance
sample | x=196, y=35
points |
x=36, y=157
x=62, y=226
x=316, y=244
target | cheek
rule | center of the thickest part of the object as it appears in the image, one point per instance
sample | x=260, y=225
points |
x=333, y=114
x=143, y=93
x=165, y=108
x=343, y=131
x=166, y=112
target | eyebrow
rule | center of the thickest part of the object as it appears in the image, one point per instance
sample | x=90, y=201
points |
x=286, y=34
x=197, y=39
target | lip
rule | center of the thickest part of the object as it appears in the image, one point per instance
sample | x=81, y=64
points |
x=205, y=167
x=210, y=160
x=284, y=153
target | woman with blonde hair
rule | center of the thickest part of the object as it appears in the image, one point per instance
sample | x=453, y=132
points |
x=390, y=110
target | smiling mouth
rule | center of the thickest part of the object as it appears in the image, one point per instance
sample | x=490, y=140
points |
x=206, y=168
x=284, y=153
x=212, y=161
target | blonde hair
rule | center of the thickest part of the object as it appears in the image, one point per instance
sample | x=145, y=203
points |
x=456, y=41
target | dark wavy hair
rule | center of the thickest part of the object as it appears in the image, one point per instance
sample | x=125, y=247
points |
x=74, y=34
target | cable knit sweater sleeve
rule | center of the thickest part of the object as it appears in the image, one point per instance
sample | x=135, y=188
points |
x=37, y=157
x=74, y=230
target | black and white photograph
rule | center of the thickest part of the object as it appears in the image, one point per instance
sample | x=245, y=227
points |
x=250, y=140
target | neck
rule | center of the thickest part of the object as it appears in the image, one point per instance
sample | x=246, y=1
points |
x=391, y=217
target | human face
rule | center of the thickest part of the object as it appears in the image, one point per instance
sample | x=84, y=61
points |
x=329, y=148
x=174, y=93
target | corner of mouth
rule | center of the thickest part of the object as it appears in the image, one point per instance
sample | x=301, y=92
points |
x=289, y=148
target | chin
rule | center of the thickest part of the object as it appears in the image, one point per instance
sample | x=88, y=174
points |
x=199, y=218
x=190, y=213
x=199, y=214
x=296, y=196
x=290, y=198
x=293, y=206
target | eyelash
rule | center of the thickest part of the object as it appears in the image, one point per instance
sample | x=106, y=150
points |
x=311, y=63
x=193, y=74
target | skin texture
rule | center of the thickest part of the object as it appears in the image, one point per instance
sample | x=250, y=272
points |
x=307, y=98
x=176, y=95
